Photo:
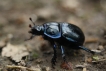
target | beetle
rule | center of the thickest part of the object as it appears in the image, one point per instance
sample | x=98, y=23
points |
x=65, y=34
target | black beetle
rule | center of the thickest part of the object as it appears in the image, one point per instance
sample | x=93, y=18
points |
x=65, y=34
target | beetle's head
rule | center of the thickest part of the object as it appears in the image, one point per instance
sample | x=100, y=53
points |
x=35, y=30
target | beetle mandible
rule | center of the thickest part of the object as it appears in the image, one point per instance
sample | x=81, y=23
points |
x=65, y=34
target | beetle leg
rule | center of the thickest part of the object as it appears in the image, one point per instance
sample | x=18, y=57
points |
x=63, y=54
x=65, y=64
x=53, y=61
x=86, y=49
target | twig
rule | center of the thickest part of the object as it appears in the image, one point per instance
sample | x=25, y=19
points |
x=96, y=51
x=19, y=67
x=80, y=66
x=91, y=40
x=99, y=60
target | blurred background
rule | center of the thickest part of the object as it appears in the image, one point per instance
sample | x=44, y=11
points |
x=89, y=15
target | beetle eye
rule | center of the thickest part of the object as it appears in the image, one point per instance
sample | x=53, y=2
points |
x=30, y=25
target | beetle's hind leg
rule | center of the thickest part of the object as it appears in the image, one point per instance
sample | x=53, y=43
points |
x=86, y=49
x=53, y=60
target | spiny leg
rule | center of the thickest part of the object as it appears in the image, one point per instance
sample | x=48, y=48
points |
x=65, y=64
x=86, y=49
x=53, y=60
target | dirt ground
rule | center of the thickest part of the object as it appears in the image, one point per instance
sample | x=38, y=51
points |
x=16, y=54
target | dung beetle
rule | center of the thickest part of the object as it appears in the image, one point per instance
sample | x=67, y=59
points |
x=62, y=33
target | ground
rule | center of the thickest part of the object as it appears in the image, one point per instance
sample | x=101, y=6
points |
x=35, y=55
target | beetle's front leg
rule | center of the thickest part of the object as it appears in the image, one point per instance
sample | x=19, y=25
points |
x=53, y=61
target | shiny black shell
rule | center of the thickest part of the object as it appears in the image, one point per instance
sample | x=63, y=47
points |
x=64, y=33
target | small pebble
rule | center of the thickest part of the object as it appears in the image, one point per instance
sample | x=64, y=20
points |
x=89, y=60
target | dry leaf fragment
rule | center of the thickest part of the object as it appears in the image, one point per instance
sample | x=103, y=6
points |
x=15, y=52
x=66, y=65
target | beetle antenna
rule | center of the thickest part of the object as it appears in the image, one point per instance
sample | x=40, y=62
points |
x=32, y=21
x=30, y=25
